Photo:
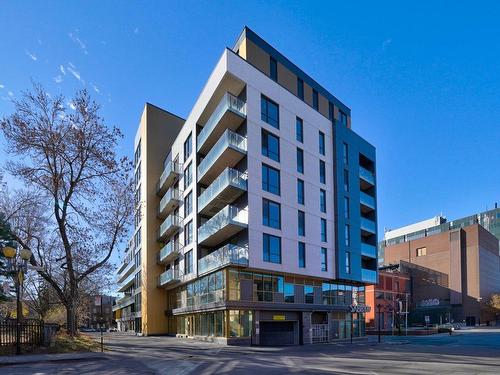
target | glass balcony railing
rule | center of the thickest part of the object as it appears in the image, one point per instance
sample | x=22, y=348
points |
x=368, y=225
x=367, y=200
x=368, y=250
x=229, y=139
x=169, y=276
x=170, y=172
x=170, y=249
x=227, y=216
x=228, y=102
x=227, y=255
x=369, y=276
x=123, y=302
x=230, y=176
x=126, y=283
x=367, y=175
x=169, y=200
x=169, y=225
x=125, y=272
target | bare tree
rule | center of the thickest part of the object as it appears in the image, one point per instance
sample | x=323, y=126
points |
x=78, y=202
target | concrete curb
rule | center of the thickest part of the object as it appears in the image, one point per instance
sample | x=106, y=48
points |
x=42, y=358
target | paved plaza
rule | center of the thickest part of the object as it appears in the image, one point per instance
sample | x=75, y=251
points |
x=475, y=351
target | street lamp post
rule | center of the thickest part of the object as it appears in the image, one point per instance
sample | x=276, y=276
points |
x=17, y=266
x=379, y=307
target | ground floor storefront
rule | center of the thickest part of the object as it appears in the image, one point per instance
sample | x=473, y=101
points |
x=270, y=327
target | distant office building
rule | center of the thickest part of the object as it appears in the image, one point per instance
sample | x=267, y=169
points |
x=99, y=315
x=454, y=266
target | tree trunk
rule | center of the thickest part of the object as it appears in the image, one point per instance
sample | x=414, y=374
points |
x=71, y=319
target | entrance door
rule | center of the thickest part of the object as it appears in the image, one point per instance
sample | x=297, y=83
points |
x=277, y=333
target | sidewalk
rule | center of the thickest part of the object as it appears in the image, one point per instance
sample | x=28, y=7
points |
x=38, y=358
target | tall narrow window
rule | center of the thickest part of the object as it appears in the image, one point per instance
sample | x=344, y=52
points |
x=323, y=230
x=300, y=160
x=347, y=235
x=269, y=112
x=188, y=204
x=188, y=176
x=321, y=143
x=324, y=259
x=299, y=129
x=322, y=200
x=322, y=172
x=345, y=152
x=346, y=180
x=300, y=88
x=188, y=233
x=270, y=145
x=342, y=118
x=271, y=248
x=347, y=262
x=270, y=179
x=315, y=99
x=302, y=254
x=301, y=218
x=300, y=191
x=271, y=214
x=188, y=262
x=346, y=207
x=188, y=147
x=330, y=110
x=273, y=71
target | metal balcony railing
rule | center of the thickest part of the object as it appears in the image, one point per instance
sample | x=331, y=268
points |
x=230, y=176
x=229, y=254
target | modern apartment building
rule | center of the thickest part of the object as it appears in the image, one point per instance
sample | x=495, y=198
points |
x=256, y=215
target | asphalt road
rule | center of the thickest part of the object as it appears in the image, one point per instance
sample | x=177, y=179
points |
x=467, y=352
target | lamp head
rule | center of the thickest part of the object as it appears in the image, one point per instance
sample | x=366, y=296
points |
x=9, y=252
x=25, y=254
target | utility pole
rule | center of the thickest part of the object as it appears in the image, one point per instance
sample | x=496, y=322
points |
x=379, y=306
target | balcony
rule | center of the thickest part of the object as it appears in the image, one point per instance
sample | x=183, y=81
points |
x=226, y=223
x=367, y=178
x=368, y=250
x=224, y=190
x=169, y=175
x=123, y=302
x=126, y=271
x=169, y=226
x=227, y=152
x=127, y=283
x=168, y=252
x=368, y=276
x=170, y=200
x=367, y=202
x=169, y=278
x=229, y=114
x=368, y=227
x=228, y=255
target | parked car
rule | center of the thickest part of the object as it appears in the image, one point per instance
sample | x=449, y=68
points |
x=85, y=329
x=113, y=329
x=446, y=328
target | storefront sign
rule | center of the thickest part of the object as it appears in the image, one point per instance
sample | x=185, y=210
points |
x=279, y=317
x=429, y=302
x=359, y=308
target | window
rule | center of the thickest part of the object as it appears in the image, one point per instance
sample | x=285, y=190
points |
x=347, y=231
x=271, y=248
x=188, y=176
x=315, y=99
x=289, y=293
x=346, y=207
x=188, y=233
x=301, y=218
x=300, y=191
x=309, y=293
x=323, y=230
x=302, y=254
x=322, y=200
x=324, y=259
x=421, y=251
x=299, y=129
x=322, y=172
x=330, y=110
x=345, y=152
x=188, y=262
x=188, y=204
x=347, y=262
x=300, y=88
x=300, y=160
x=346, y=180
x=321, y=143
x=240, y=323
x=270, y=145
x=269, y=112
x=342, y=118
x=271, y=214
x=273, y=71
x=188, y=147
x=270, y=179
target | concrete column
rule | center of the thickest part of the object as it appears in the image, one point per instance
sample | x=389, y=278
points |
x=306, y=327
x=256, y=339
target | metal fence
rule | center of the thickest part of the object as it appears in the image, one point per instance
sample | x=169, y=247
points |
x=31, y=333
x=319, y=333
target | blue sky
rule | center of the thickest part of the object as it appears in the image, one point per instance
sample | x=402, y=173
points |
x=422, y=80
